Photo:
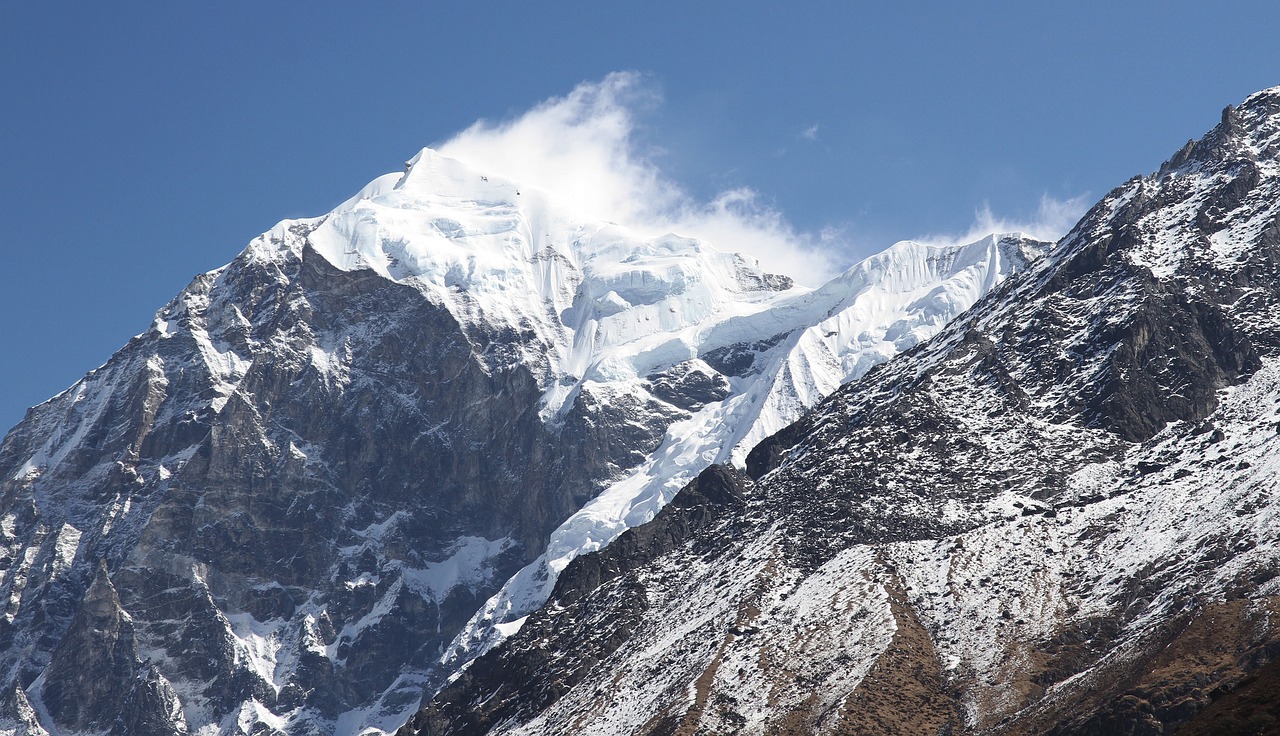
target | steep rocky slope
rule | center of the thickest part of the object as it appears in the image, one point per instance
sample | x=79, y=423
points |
x=1057, y=516
x=274, y=510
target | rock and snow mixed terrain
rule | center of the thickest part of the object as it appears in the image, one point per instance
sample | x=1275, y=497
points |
x=275, y=510
x=782, y=362
x=1060, y=515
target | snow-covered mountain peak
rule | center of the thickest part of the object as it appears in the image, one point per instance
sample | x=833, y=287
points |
x=602, y=302
x=1263, y=103
x=1247, y=133
x=441, y=213
x=906, y=293
x=1272, y=92
x=433, y=173
x=908, y=263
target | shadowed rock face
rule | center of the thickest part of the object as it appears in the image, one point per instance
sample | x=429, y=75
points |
x=1059, y=515
x=95, y=670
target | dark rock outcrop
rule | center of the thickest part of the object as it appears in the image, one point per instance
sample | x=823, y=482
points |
x=95, y=681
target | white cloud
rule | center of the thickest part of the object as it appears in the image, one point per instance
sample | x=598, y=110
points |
x=1051, y=220
x=582, y=149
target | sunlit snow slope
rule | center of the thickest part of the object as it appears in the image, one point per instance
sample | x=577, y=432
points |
x=607, y=306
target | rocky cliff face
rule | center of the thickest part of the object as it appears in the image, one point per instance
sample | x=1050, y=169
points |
x=274, y=510
x=1057, y=516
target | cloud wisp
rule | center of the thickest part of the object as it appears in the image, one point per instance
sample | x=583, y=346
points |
x=582, y=149
x=1051, y=220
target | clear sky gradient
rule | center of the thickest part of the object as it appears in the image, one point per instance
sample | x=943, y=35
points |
x=142, y=143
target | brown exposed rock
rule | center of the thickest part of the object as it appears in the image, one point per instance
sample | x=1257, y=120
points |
x=906, y=691
x=1176, y=674
x=1251, y=707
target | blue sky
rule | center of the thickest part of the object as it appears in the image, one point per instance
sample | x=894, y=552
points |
x=141, y=143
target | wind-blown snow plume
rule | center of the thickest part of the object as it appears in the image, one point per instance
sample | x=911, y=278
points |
x=582, y=149
x=1051, y=220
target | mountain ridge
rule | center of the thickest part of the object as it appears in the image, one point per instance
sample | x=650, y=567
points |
x=1081, y=468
